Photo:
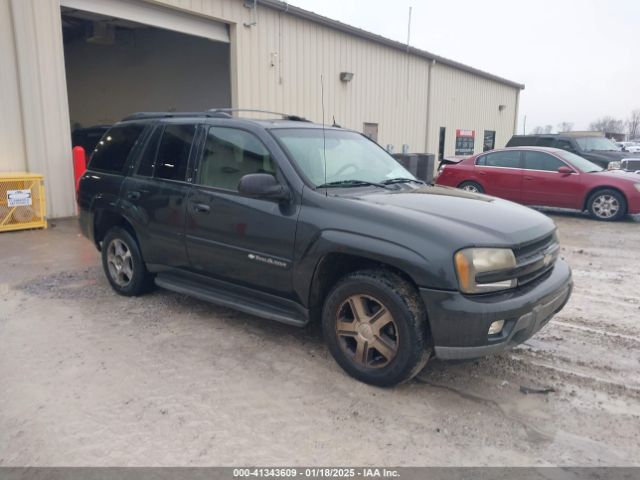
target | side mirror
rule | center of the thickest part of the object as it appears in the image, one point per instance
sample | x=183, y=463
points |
x=566, y=170
x=262, y=185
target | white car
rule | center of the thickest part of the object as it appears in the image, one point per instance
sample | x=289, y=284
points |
x=631, y=147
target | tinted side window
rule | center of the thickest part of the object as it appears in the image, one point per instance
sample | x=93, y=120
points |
x=564, y=145
x=541, y=161
x=230, y=154
x=545, y=141
x=148, y=158
x=519, y=141
x=112, y=151
x=173, y=153
x=506, y=159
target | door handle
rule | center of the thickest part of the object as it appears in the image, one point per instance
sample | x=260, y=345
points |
x=482, y=173
x=134, y=195
x=201, y=208
x=529, y=178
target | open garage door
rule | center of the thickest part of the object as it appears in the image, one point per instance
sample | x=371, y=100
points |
x=124, y=57
x=153, y=15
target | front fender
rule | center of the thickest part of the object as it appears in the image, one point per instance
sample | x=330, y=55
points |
x=422, y=270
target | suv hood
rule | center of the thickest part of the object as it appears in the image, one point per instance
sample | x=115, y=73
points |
x=472, y=219
x=607, y=156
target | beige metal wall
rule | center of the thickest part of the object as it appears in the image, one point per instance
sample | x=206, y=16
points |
x=280, y=60
x=36, y=109
x=276, y=64
x=460, y=100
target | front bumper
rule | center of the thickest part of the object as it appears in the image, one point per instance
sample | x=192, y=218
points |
x=460, y=323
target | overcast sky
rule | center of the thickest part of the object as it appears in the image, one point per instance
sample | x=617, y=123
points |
x=579, y=59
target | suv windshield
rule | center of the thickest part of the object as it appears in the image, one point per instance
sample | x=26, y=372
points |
x=350, y=157
x=580, y=163
x=597, y=143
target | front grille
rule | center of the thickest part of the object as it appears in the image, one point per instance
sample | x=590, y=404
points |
x=536, y=258
x=533, y=259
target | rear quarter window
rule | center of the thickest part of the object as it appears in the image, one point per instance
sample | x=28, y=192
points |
x=113, y=150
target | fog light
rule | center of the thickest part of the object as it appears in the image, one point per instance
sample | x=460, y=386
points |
x=496, y=327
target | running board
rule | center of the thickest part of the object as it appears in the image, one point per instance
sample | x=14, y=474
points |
x=269, y=307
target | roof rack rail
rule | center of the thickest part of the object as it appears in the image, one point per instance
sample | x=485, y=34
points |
x=149, y=115
x=284, y=116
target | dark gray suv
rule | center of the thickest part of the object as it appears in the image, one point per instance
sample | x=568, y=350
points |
x=296, y=222
x=597, y=149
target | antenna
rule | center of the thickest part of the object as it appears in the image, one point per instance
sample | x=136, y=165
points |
x=324, y=138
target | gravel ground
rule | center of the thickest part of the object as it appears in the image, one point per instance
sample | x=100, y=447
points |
x=89, y=378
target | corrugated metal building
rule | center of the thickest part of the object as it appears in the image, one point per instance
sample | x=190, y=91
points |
x=69, y=64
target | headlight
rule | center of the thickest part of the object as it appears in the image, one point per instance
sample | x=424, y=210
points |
x=637, y=185
x=472, y=262
x=614, y=166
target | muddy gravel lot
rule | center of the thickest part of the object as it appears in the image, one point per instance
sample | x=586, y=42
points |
x=91, y=378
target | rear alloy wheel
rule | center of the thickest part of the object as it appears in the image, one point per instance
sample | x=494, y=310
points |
x=607, y=205
x=123, y=264
x=375, y=326
x=472, y=187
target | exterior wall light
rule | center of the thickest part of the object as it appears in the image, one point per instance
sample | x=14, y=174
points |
x=346, y=76
x=501, y=107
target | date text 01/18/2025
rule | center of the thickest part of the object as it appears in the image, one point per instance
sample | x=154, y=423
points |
x=315, y=472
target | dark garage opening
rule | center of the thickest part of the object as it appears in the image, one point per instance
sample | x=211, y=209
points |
x=115, y=67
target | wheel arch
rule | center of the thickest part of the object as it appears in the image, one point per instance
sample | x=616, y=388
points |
x=590, y=193
x=105, y=219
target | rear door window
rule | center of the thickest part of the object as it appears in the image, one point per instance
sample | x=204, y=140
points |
x=173, y=153
x=504, y=159
x=544, y=142
x=148, y=157
x=113, y=150
x=541, y=161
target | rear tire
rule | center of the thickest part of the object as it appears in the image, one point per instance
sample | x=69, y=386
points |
x=607, y=205
x=123, y=265
x=472, y=187
x=375, y=326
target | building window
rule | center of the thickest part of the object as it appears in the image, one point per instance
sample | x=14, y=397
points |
x=489, y=140
x=465, y=142
x=370, y=130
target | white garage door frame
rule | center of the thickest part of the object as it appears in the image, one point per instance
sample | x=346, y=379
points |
x=155, y=16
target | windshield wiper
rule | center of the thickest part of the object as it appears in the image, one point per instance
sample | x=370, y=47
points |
x=402, y=180
x=351, y=183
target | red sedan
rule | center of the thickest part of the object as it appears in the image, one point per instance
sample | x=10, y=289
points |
x=547, y=177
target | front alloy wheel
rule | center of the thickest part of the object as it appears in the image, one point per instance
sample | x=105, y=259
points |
x=375, y=326
x=607, y=205
x=367, y=331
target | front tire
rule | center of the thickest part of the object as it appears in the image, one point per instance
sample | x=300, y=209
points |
x=375, y=326
x=607, y=205
x=123, y=265
x=472, y=187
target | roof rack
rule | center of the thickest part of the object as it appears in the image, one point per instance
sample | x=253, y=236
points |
x=284, y=116
x=212, y=113
x=148, y=115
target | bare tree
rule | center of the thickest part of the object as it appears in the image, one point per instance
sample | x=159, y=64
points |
x=537, y=130
x=607, y=125
x=565, y=126
x=548, y=128
x=633, y=124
